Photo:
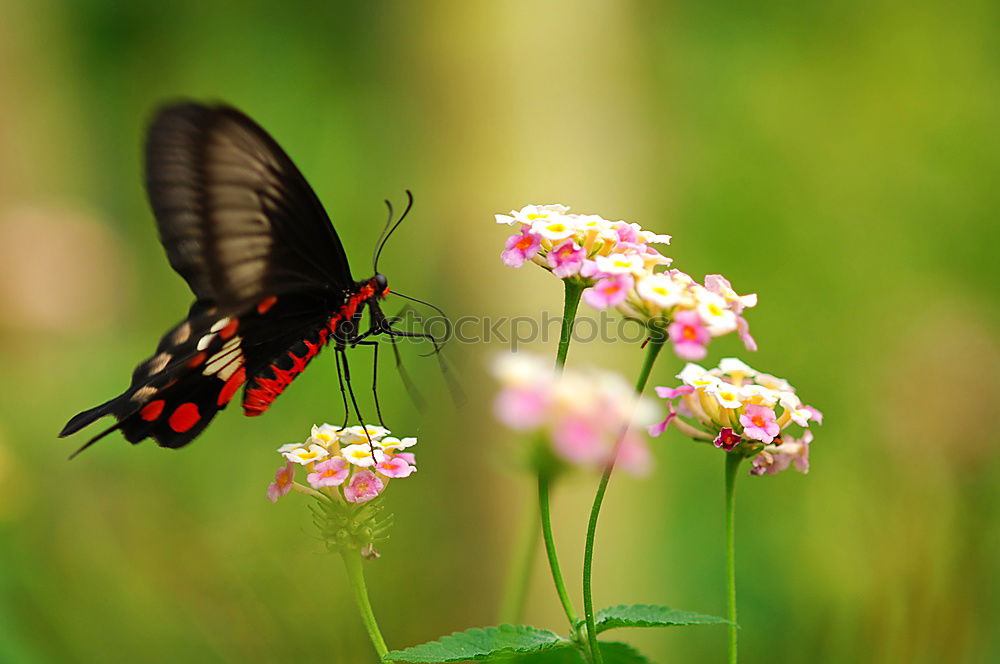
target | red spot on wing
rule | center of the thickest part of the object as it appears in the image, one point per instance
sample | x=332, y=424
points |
x=264, y=305
x=197, y=360
x=184, y=417
x=263, y=390
x=230, y=329
x=229, y=389
x=152, y=410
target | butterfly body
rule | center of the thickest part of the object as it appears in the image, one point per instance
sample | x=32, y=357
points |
x=271, y=279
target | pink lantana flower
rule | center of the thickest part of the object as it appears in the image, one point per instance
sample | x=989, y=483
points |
x=726, y=439
x=331, y=472
x=737, y=407
x=609, y=291
x=282, y=484
x=719, y=285
x=579, y=440
x=815, y=415
x=521, y=247
x=395, y=466
x=759, y=423
x=673, y=392
x=689, y=336
x=521, y=407
x=743, y=329
x=658, y=428
x=408, y=457
x=634, y=456
x=364, y=486
x=582, y=412
x=566, y=259
x=774, y=459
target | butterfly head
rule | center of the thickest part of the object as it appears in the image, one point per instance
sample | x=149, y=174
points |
x=380, y=284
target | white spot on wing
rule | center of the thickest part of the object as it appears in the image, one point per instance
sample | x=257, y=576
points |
x=143, y=393
x=205, y=341
x=158, y=363
x=219, y=324
x=182, y=333
x=225, y=363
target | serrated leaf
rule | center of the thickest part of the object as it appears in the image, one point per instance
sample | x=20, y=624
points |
x=479, y=643
x=650, y=615
x=563, y=653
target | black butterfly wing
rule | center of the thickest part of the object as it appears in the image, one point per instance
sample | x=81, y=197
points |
x=201, y=364
x=235, y=215
x=245, y=230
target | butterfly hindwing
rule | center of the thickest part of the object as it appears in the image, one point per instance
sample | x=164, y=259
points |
x=197, y=367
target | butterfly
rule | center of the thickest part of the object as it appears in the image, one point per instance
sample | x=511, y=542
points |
x=270, y=277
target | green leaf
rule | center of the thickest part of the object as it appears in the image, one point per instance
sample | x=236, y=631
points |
x=614, y=653
x=561, y=654
x=650, y=615
x=479, y=643
x=621, y=653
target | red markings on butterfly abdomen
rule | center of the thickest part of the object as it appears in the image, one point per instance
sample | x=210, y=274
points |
x=267, y=385
x=184, y=417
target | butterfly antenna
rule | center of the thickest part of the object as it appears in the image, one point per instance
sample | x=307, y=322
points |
x=383, y=240
x=381, y=236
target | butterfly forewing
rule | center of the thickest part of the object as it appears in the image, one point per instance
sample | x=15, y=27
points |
x=236, y=217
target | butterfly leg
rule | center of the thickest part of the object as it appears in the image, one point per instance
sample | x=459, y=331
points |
x=354, y=401
x=374, y=345
x=343, y=392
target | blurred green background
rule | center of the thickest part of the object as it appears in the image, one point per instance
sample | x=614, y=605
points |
x=840, y=159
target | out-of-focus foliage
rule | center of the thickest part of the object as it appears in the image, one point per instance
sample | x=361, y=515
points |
x=840, y=159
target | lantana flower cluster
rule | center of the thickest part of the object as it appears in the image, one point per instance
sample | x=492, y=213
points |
x=621, y=269
x=357, y=462
x=739, y=408
x=582, y=412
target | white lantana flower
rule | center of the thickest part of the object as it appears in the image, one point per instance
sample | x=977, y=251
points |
x=715, y=313
x=306, y=455
x=363, y=455
x=325, y=435
x=392, y=443
x=660, y=290
x=360, y=434
x=621, y=264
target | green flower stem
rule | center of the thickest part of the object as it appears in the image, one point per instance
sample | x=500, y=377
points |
x=732, y=464
x=356, y=575
x=573, y=290
x=544, y=482
x=518, y=580
x=514, y=598
x=655, y=345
